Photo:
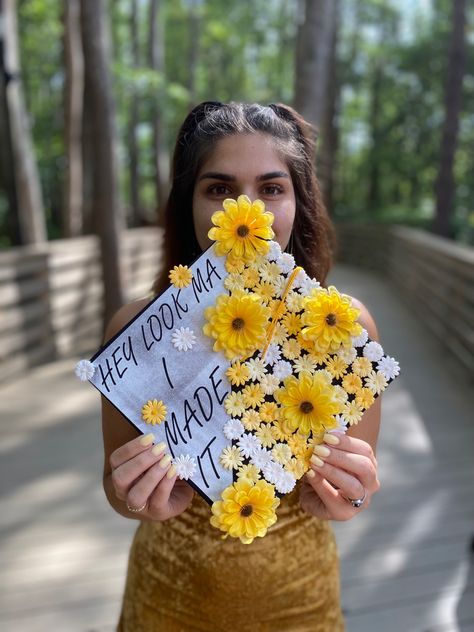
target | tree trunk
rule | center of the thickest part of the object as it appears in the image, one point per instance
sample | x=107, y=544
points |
x=73, y=106
x=373, y=194
x=105, y=184
x=445, y=185
x=194, y=23
x=313, y=54
x=133, y=152
x=31, y=215
x=156, y=61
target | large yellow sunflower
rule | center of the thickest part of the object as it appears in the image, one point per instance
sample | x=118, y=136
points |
x=242, y=229
x=246, y=511
x=237, y=323
x=309, y=403
x=329, y=319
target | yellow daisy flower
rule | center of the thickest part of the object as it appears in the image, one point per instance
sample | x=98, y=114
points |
x=308, y=402
x=265, y=290
x=296, y=467
x=291, y=349
x=330, y=319
x=304, y=364
x=246, y=510
x=279, y=334
x=376, y=381
x=154, y=412
x=242, y=229
x=234, y=282
x=238, y=374
x=269, y=272
x=352, y=413
x=250, y=472
x=266, y=435
x=281, y=452
x=253, y=395
x=180, y=276
x=292, y=323
x=234, y=404
x=237, y=323
x=231, y=458
x=362, y=366
x=364, y=398
x=294, y=301
x=250, y=277
x=336, y=367
x=298, y=444
x=269, y=411
x=281, y=432
x=234, y=264
x=351, y=383
x=251, y=419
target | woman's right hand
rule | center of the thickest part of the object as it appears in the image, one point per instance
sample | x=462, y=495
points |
x=142, y=476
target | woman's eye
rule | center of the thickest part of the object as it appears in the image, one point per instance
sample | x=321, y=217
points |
x=218, y=189
x=272, y=189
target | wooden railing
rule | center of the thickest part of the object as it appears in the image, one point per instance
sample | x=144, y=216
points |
x=51, y=297
x=434, y=275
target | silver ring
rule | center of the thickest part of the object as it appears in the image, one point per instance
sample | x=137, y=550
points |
x=136, y=509
x=358, y=502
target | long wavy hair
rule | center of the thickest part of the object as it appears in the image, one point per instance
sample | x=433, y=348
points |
x=312, y=241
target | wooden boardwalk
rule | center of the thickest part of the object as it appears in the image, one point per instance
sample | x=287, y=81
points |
x=406, y=563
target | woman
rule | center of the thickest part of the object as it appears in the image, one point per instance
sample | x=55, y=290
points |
x=181, y=575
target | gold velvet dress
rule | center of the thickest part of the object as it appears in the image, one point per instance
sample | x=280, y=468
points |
x=183, y=576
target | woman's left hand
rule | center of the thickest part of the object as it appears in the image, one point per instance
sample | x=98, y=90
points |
x=344, y=468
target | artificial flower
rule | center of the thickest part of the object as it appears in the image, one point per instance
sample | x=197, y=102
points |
x=154, y=412
x=352, y=413
x=351, y=383
x=341, y=425
x=285, y=482
x=233, y=429
x=348, y=354
x=296, y=467
x=237, y=323
x=281, y=452
x=319, y=357
x=251, y=419
x=234, y=283
x=376, y=381
x=373, y=351
x=292, y=323
x=291, y=349
x=269, y=411
x=261, y=457
x=298, y=444
x=234, y=404
x=242, y=229
x=257, y=368
x=282, y=369
x=185, y=466
x=246, y=511
x=304, y=364
x=274, y=251
x=389, y=367
x=250, y=277
x=248, y=444
x=248, y=471
x=253, y=395
x=362, y=366
x=231, y=458
x=84, y=370
x=272, y=354
x=308, y=402
x=265, y=290
x=183, y=339
x=336, y=366
x=340, y=394
x=272, y=471
x=269, y=383
x=238, y=374
x=361, y=339
x=234, y=264
x=279, y=334
x=180, y=276
x=364, y=397
x=266, y=435
x=294, y=302
x=270, y=272
x=286, y=262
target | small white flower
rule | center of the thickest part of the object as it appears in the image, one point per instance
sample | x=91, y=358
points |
x=282, y=369
x=256, y=368
x=183, y=339
x=341, y=425
x=294, y=302
x=300, y=279
x=233, y=429
x=269, y=384
x=376, y=381
x=185, y=466
x=272, y=471
x=249, y=444
x=308, y=285
x=273, y=354
x=84, y=370
x=373, y=351
x=286, y=262
x=347, y=354
x=340, y=394
x=261, y=458
x=285, y=482
x=361, y=339
x=389, y=367
x=275, y=251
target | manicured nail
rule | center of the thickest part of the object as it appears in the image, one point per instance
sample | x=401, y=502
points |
x=321, y=450
x=158, y=448
x=331, y=439
x=147, y=439
x=171, y=472
x=165, y=461
x=310, y=474
x=315, y=460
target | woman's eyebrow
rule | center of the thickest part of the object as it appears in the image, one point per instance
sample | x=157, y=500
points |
x=215, y=175
x=272, y=175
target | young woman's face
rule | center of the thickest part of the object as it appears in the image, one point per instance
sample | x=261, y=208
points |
x=244, y=164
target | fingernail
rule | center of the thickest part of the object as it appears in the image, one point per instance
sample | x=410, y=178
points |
x=158, y=448
x=321, y=450
x=147, y=439
x=171, y=472
x=310, y=474
x=331, y=439
x=165, y=461
x=315, y=460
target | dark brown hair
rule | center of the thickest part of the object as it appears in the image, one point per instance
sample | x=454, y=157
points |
x=312, y=239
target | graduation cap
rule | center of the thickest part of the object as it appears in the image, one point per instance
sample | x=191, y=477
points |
x=241, y=366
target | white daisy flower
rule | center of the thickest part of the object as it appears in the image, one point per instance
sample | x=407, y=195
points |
x=185, y=466
x=272, y=471
x=270, y=272
x=340, y=394
x=341, y=425
x=261, y=458
x=376, y=381
x=308, y=285
x=269, y=384
x=347, y=354
x=280, y=286
x=304, y=363
x=273, y=354
x=231, y=458
x=256, y=368
x=300, y=279
x=285, y=482
x=233, y=429
x=275, y=251
x=294, y=302
x=361, y=339
x=248, y=444
x=183, y=339
x=286, y=262
x=373, y=351
x=84, y=370
x=389, y=367
x=281, y=452
x=282, y=369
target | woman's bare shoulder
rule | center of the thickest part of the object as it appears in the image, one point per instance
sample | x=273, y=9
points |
x=123, y=316
x=366, y=319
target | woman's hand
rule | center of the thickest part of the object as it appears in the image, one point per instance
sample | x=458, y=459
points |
x=342, y=468
x=143, y=477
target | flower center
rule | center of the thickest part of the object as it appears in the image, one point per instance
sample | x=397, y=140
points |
x=306, y=407
x=238, y=324
x=246, y=511
x=243, y=230
x=331, y=319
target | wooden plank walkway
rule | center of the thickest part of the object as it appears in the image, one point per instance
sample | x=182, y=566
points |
x=406, y=564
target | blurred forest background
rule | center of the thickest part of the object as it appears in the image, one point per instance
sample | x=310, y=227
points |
x=92, y=93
